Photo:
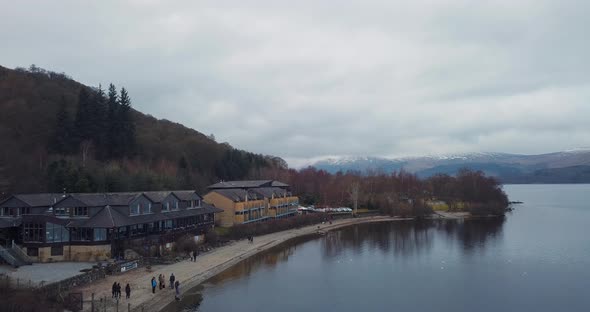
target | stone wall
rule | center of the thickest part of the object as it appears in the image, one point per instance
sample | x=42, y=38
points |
x=89, y=253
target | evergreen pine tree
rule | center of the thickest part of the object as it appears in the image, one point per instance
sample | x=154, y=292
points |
x=127, y=125
x=183, y=175
x=112, y=145
x=101, y=122
x=83, y=122
x=62, y=137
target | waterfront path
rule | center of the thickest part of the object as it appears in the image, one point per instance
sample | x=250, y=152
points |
x=191, y=274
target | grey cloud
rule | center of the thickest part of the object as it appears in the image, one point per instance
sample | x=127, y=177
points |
x=310, y=79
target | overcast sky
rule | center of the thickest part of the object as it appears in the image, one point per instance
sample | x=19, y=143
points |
x=309, y=79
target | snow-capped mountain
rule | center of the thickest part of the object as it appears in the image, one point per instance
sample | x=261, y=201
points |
x=507, y=167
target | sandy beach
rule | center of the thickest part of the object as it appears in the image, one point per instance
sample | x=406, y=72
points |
x=191, y=274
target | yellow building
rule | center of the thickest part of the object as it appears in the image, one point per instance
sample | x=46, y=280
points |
x=251, y=201
x=280, y=202
x=239, y=206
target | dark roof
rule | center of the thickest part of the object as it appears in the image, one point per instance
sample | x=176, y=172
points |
x=105, y=199
x=123, y=198
x=268, y=192
x=109, y=217
x=36, y=200
x=247, y=184
x=156, y=197
x=186, y=195
x=238, y=194
x=279, y=184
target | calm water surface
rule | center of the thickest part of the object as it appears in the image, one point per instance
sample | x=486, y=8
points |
x=536, y=259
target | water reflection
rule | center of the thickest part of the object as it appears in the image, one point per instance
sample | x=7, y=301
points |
x=411, y=238
x=267, y=260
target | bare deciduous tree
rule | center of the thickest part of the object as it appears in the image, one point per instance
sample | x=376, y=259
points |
x=85, y=148
x=354, y=194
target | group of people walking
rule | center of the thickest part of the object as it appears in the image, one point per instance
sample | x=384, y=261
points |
x=174, y=284
x=116, y=290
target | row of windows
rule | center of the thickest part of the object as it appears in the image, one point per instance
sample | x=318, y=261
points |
x=144, y=208
x=55, y=233
x=74, y=211
x=14, y=212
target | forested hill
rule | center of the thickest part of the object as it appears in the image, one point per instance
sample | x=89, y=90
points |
x=56, y=133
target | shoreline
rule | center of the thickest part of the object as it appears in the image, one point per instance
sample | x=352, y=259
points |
x=192, y=274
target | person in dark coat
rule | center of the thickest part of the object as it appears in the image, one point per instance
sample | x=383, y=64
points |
x=127, y=291
x=177, y=291
x=118, y=290
x=114, y=290
x=194, y=255
x=172, y=278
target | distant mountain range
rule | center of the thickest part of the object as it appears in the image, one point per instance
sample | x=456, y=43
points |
x=571, y=166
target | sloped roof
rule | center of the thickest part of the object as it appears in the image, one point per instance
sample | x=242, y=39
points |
x=238, y=194
x=109, y=217
x=268, y=192
x=186, y=195
x=156, y=196
x=247, y=184
x=36, y=200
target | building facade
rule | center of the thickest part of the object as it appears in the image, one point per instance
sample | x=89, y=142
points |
x=251, y=201
x=91, y=227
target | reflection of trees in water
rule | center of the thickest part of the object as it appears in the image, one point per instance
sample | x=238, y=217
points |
x=408, y=238
x=404, y=238
x=268, y=259
x=474, y=233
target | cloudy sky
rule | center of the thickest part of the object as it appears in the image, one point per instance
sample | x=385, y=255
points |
x=310, y=79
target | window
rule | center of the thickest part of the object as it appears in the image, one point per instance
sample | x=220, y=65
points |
x=33, y=232
x=6, y=211
x=100, y=235
x=134, y=210
x=32, y=251
x=26, y=210
x=55, y=233
x=60, y=211
x=122, y=232
x=82, y=234
x=166, y=206
x=147, y=208
x=81, y=211
x=175, y=205
x=57, y=250
x=168, y=224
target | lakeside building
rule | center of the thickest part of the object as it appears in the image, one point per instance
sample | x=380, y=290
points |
x=98, y=226
x=251, y=201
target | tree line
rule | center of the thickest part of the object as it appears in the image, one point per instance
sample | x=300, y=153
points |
x=102, y=125
x=397, y=193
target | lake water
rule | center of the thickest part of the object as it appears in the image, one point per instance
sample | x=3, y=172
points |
x=535, y=259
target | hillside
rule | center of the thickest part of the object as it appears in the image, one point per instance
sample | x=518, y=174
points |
x=559, y=167
x=165, y=154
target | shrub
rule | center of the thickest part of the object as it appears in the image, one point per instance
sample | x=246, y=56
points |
x=185, y=244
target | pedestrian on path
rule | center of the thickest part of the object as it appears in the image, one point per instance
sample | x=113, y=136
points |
x=177, y=292
x=195, y=255
x=118, y=291
x=154, y=284
x=127, y=291
x=172, y=278
x=160, y=281
x=114, y=290
x=163, y=281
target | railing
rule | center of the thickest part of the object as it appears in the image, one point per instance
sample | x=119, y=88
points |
x=8, y=257
x=21, y=254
